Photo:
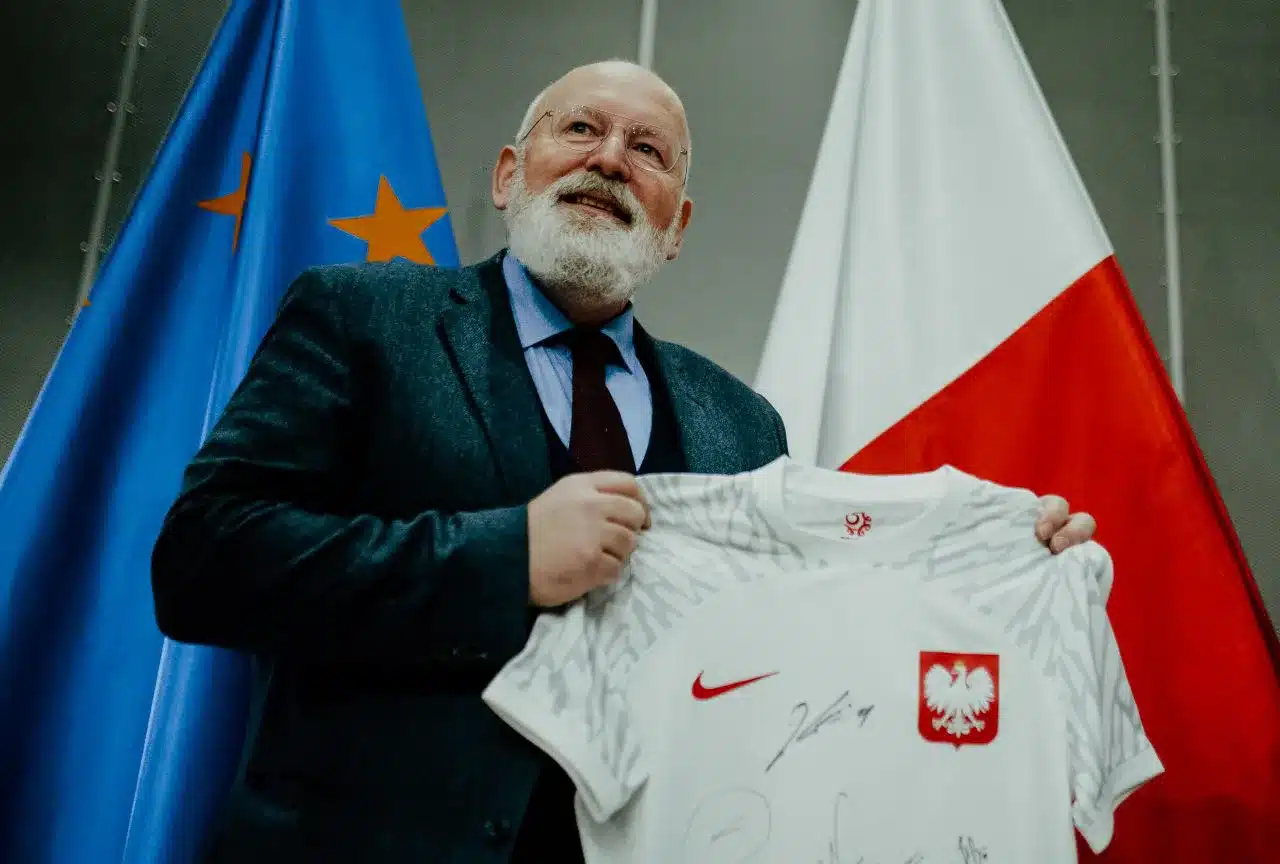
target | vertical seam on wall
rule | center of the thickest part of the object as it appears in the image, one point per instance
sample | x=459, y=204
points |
x=1164, y=71
x=108, y=177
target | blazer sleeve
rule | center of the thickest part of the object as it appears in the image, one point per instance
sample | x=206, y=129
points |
x=255, y=556
x=781, y=429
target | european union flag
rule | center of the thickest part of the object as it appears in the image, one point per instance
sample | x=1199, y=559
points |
x=302, y=141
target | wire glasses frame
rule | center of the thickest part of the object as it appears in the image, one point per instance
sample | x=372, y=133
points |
x=583, y=129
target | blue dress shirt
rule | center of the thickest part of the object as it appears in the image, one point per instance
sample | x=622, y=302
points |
x=537, y=321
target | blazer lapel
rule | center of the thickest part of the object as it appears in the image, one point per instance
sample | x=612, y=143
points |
x=706, y=432
x=480, y=332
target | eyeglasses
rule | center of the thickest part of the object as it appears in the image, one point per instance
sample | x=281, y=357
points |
x=583, y=129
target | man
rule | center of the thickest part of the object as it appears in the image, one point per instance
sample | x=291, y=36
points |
x=419, y=460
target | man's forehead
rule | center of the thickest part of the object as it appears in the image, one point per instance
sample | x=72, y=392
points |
x=643, y=98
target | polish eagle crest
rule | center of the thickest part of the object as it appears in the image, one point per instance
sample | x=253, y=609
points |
x=959, y=697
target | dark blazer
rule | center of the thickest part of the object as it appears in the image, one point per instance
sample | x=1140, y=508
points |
x=356, y=522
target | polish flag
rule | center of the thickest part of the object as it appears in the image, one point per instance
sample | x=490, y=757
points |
x=952, y=297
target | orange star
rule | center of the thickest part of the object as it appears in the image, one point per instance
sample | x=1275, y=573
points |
x=391, y=230
x=232, y=204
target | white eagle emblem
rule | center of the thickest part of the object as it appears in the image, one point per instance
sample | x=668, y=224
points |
x=959, y=696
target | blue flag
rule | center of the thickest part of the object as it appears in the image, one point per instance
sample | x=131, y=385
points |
x=302, y=141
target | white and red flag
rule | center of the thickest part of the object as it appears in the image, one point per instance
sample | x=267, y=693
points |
x=952, y=297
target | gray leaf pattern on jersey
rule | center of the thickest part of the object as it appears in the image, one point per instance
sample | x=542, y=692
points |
x=710, y=533
x=678, y=563
x=1053, y=606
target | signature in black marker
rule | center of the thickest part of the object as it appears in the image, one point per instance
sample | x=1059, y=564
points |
x=730, y=826
x=833, y=845
x=971, y=852
x=834, y=713
x=833, y=855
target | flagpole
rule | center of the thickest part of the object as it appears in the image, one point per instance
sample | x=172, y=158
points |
x=648, y=32
x=108, y=176
x=1169, y=207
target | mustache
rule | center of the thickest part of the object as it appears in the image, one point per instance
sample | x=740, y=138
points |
x=589, y=183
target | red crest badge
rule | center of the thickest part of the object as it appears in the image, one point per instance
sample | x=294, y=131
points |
x=857, y=524
x=959, y=697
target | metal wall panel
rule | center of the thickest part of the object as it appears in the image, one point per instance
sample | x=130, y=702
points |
x=756, y=78
x=64, y=59
x=480, y=64
x=61, y=64
x=1227, y=94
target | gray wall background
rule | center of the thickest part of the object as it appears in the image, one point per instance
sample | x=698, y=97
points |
x=756, y=77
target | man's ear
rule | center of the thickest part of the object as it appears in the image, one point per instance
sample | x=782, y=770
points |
x=686, y=213
x=503, y=170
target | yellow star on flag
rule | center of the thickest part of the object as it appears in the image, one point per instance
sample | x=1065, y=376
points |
x=392, y=230
x=232, y=204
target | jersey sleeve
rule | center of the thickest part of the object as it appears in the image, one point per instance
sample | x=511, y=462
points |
x=566, y=692
x=1110, y=755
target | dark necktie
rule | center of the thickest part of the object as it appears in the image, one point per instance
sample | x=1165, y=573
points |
x=597, y=437
x=597, y=441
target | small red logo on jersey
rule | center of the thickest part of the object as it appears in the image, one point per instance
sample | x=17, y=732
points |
x=703, y=693
x=959, y=697
x=857, y=524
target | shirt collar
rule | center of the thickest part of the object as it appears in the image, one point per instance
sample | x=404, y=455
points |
x=538, y=319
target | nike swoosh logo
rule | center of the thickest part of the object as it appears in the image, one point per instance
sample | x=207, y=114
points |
x=703, y=693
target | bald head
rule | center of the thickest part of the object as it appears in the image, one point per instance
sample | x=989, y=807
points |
x=617, y=81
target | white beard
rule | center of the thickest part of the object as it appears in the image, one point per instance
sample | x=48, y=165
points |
x=581, y=260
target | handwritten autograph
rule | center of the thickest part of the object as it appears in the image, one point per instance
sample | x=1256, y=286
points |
x=802, y=729
x=833, y=845
x=735, y=825
x=971, y=852
x=730, y=826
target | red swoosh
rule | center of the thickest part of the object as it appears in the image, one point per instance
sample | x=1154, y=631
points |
x=702, y=693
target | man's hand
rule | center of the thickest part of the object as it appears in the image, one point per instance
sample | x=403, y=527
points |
x=581, y=531
x=1059, y=528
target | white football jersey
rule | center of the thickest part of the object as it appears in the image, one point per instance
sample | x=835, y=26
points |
x=804, y=665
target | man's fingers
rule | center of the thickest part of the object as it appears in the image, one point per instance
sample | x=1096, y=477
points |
x=625, y=511
x=616, y=483
x=1083, y=526
x=1079, y=529
x=618, y=541
x=619, y=484
x=610, y=569
x=1054, y=512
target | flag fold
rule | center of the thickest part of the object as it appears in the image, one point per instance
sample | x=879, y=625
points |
x=302, y=141
x=952, y=297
